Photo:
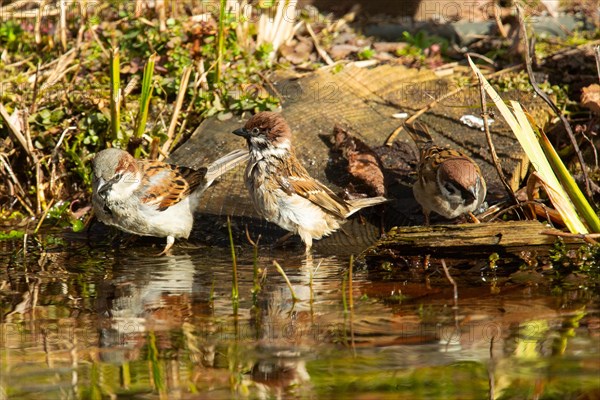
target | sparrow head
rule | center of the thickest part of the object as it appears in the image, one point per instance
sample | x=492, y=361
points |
x=116, y=173
x=460, y=180
x=266, y=130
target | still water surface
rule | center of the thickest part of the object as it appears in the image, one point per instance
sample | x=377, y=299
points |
x=81, y=321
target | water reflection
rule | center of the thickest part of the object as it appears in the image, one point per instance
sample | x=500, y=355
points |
x=94, y=323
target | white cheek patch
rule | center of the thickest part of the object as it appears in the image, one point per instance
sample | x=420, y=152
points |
x=262, y=148
x=124, y=188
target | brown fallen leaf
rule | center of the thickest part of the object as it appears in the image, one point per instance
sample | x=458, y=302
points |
x=590, y=98
x=364, y=165
x=297, y=51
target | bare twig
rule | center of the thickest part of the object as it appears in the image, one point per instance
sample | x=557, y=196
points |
x=499, y=24
x=318, y=47
x=452, y=282
x=271, y=86
x=543, y=95
x=43, y=217
x=548, y=211
x=488, y=136
x=588, y=237
x=390, y=140
x=481, y=57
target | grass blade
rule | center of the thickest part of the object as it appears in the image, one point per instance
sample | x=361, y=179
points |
x=235, y=293
x=115, y=94
x=145, y=97
x=577, y=197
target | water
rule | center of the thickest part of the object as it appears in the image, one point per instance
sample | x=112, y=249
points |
x=81, y=321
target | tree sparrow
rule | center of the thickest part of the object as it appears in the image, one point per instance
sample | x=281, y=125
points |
x=282, y=190
x=449, y=182
x=152, y=198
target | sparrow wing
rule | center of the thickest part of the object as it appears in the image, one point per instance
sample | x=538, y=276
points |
x=296, y=180
x=164, y=185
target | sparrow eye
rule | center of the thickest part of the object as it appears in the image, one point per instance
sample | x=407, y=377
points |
x=450, y=188
x=118, y=176
x=255, y=131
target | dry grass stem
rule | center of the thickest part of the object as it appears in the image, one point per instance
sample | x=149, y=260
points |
x=14, y=131
x=185, y=79
x=287, y=281
x=318, y=47
x=63, y=24
x=488, y=136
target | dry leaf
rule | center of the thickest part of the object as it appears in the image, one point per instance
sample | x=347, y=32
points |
x=590, y=98
x=364, y=164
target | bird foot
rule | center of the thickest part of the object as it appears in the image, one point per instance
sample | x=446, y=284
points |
x=170, y=242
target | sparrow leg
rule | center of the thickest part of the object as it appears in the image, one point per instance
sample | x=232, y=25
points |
x=307, y=250
x=279, y=242
x=307, y=239
x=426, y=214
x=170, y=242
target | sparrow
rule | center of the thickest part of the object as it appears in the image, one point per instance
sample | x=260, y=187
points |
x=152, y=198
x=449, y=182
x=282, y=190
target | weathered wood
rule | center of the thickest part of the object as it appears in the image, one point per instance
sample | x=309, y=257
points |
x=362, y=100
x=466, y=240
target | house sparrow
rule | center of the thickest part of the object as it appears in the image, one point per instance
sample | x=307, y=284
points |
x=282, y=190
x=152, y=198
x=449, y=182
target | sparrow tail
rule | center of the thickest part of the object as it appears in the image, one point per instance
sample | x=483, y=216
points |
x=358, y=204
x=225, y=164
x=419, y=133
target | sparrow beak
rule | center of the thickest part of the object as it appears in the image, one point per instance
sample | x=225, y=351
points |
x=103, y=187
x=472, y=191
x=243, y=132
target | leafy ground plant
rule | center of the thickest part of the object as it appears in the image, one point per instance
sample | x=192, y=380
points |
x=63, y=109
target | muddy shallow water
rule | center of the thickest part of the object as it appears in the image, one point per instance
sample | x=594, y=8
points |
x=81, y=321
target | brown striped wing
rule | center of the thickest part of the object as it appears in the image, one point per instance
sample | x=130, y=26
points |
x=164, y=185
x=296, y=179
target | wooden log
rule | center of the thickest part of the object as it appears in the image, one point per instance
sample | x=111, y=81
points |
x=466, y=240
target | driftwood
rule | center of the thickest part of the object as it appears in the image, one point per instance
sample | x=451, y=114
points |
x=466, y=240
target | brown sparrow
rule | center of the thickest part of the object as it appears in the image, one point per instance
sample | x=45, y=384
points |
x=282, y=190
x=152, y=198
x=448, y=182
